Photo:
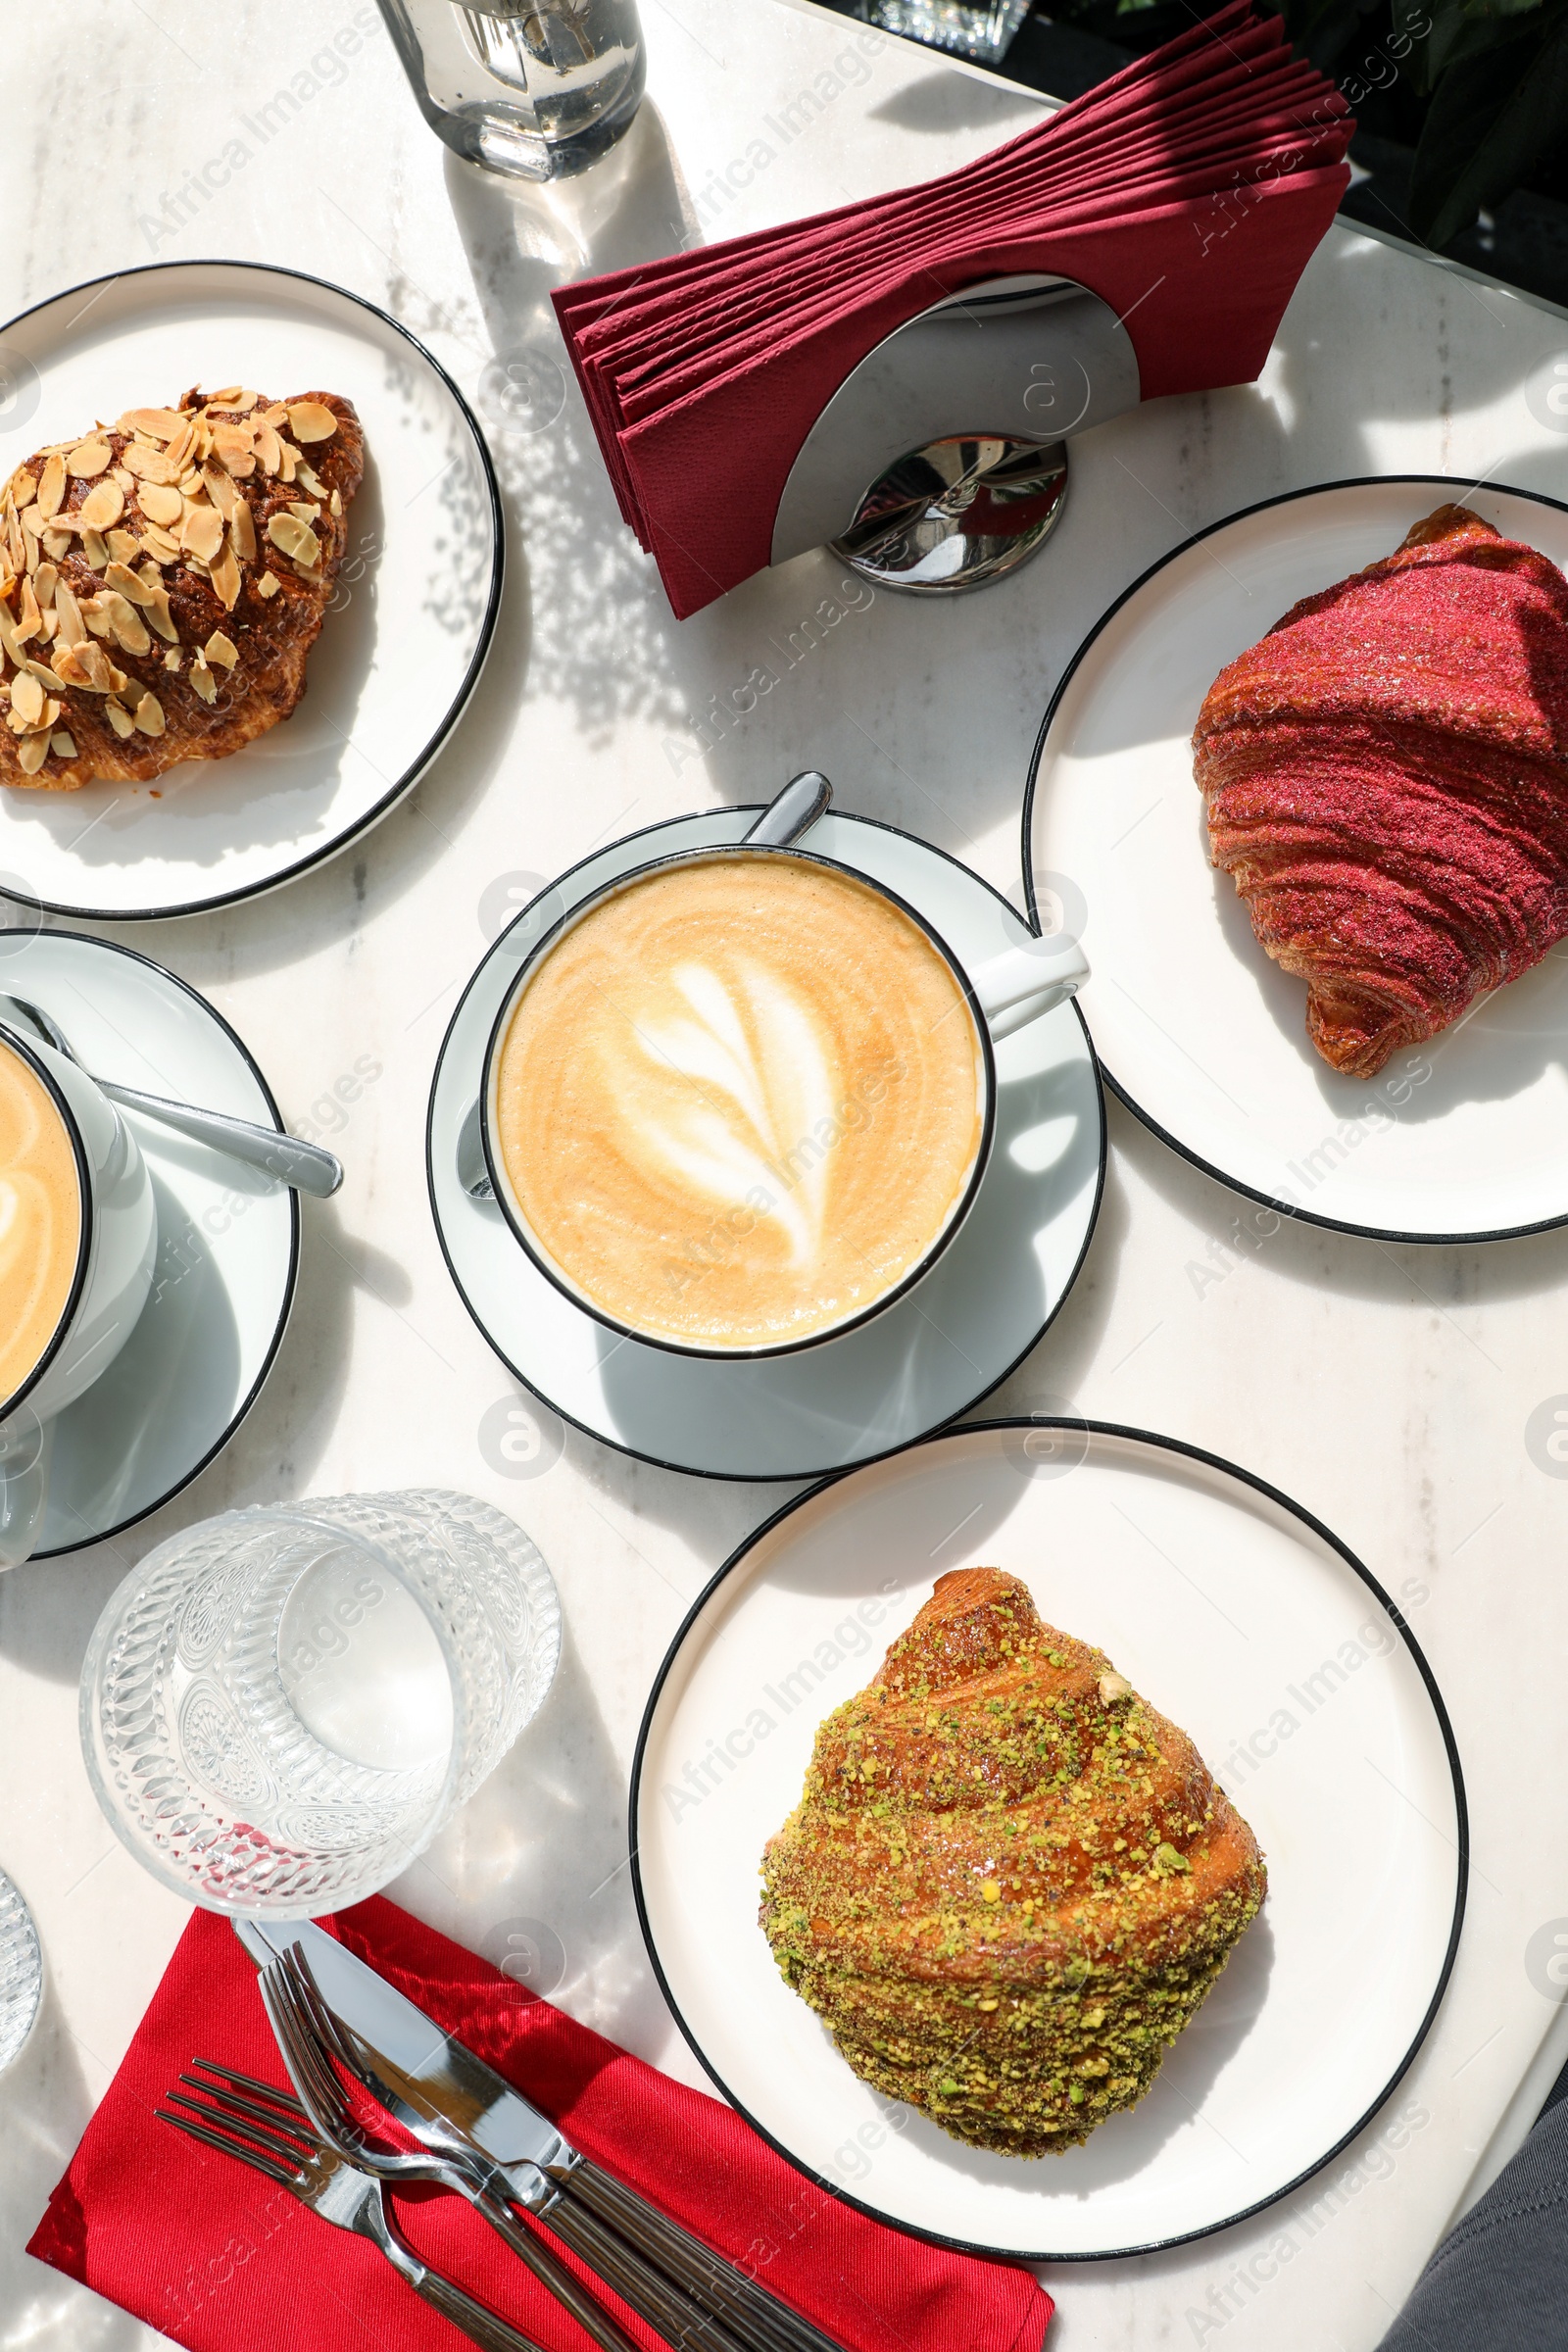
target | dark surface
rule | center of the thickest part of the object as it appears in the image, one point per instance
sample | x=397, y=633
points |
x=1500, y=2277
x=1524, y=243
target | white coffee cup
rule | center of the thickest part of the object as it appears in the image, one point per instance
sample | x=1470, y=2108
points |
x=1004, y=993
x=118, y=1245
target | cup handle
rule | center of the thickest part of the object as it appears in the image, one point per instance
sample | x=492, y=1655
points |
x=24, y=1449
x=1020, y=984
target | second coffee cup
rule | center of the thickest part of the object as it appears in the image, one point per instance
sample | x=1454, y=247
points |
x=742, y=1098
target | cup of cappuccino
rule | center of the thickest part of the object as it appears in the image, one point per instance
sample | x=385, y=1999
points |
x=78, y=1235
x=742, y=1098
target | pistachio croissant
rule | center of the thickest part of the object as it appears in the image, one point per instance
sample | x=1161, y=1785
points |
x=1009, y=1882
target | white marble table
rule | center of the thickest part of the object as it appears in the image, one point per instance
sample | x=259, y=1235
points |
x=1385, y=1389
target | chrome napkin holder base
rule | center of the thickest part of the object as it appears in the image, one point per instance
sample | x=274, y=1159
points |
x=940, y=464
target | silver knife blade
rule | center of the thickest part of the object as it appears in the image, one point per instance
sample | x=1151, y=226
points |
x=499, y=2118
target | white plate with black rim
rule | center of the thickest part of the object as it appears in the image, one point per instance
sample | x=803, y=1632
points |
x=228, y=1239
x=404, y=639
x=1232, y=1611
x=1197, y=1030
x=933, y=1354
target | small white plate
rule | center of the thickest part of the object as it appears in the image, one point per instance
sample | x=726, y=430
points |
x=1230, y=1610
x=401, y=648
x=934, y=1354
x=228, y=1239
x=1197, y=1030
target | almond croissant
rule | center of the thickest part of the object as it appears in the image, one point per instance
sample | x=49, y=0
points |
x=163, y=579
x=1386, y=776
x=1010, y=1883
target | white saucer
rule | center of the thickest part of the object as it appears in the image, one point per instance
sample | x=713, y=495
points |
x=402, y=646
x=228, y=1239
x=1232, y=1612
x=934, y=1354
x=1465, y=1138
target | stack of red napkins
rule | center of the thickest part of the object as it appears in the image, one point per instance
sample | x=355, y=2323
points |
x=1188, y=192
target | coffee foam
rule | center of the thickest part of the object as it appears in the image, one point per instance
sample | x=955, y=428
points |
x=739, y=1100
x=40, y=1218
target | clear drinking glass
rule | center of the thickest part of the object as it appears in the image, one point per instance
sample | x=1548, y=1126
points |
x=538, y=89
x=977, y=29
x=282, y=1705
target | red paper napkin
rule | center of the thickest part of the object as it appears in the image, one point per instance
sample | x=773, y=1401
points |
x=1188, y=192
x=220, y=2260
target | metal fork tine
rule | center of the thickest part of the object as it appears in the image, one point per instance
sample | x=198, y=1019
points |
x=277, y=2138
x=327, y=2028
x=308, y=2071
x=230, y=2148
x=234, y=2080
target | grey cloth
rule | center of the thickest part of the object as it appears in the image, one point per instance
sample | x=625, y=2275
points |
x=1499, y=2282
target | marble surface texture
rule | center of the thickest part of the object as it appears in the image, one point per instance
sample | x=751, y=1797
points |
x=1387, y=1389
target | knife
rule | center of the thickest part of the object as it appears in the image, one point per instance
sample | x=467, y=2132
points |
x=655, y=2265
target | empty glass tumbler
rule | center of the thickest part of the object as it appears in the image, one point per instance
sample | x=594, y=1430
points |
x=537, y=89
x=282, y=1705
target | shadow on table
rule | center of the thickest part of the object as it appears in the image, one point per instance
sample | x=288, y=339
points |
x=534, y=1872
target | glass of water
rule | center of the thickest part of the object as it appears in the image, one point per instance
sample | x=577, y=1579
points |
x=537, y=89
x=282, y=1705
x=979, y=28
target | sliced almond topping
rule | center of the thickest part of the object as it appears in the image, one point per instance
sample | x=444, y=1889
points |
x=100, y=673
x=203, y=533
x=172, y=658
x=27, y=626
x=242, y=530
x=336, y=505
x=268, y=584
x=182, y=448
x=205, y=683
x=225, y=577
x=56, y=544
x=221, y=650
x=125, y=480
x=27, y=697
x=49, y=679
x=221, y=490
x=89, y=459
x=159, y=545
x=160, y=502
x=33, y=518
x=232, y=446
x=150, y=714
x=160, y=424
x=30, y=542
x=267, y=446
x=311, y=420
x=70, y=613
x=120, y=719
x=43, y=585
x=126, y=624
x=276, y=415
x=102, y=508
x=125, y=582
x=48, y=622
x=95, y=612
x=70, y=665
x=149, y=464
x=291, y=461
x=95, y=550
x=32, y=752
x=52, y=488
x=225, y=399
x=305, y=510
x=163, y=620
x=296, y=539
x=21, y=489
x=64, y=744
x=122, y=548
x=309, y=479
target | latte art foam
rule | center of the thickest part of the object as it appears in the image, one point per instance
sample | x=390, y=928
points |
x=739, y=1100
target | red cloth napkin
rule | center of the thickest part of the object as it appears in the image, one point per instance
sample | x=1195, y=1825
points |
x=1188, y=192
x=220, y=2260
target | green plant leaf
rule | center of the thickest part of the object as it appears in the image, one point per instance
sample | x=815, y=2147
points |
x=1494, y=116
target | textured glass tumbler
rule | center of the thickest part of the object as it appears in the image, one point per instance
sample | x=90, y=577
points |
x=979, y=28
x=538, y=89
x=281, y=1706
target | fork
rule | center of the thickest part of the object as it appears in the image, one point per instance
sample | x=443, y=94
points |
x=270, y=2132
x=310, y=2038
x=307, y=2039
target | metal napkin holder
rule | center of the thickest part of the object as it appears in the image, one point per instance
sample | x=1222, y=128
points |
x=940, y=464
